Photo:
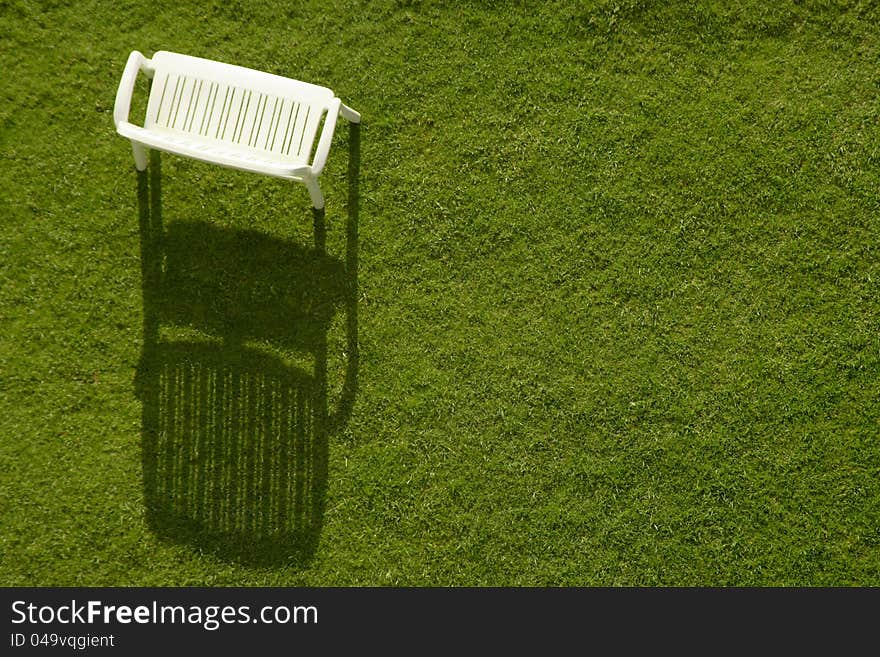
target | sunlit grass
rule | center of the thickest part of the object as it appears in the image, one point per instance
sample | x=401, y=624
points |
x=616, y=294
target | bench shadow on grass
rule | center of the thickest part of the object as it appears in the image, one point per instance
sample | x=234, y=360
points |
x=235, y=436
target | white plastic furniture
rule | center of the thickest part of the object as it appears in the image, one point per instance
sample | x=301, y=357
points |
x=232, y=116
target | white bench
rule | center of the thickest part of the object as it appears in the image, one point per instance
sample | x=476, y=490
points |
x=232, y=116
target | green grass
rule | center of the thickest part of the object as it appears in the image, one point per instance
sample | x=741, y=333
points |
x=614, y=275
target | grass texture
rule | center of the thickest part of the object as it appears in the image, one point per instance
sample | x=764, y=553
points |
x=594, y=302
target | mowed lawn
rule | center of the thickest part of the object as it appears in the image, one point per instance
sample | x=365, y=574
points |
x=595, y=301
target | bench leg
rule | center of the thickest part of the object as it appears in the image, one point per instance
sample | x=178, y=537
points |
x=349, y=114
x=315, y=193
x=140, y=156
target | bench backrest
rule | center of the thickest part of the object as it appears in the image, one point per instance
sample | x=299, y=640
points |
x=248, y=111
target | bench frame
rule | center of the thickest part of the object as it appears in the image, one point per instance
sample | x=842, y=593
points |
x=250, y=126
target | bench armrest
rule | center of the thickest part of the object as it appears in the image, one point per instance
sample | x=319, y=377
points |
x=136, y=63
x=326, y=137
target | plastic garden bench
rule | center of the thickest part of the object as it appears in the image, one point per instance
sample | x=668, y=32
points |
x=232, y=116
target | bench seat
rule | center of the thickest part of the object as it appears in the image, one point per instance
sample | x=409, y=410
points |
x=211, y=152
